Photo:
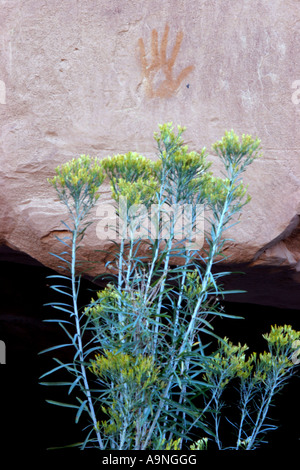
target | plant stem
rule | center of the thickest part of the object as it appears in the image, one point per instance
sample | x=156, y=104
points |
x=261, y=416
x=246, y=398
x=207, y=276
x=79, y=339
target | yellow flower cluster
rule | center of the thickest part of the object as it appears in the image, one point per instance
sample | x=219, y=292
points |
x=230, y=361
x=82, y=175
x=193, y=286
x=106, y=297
x=137, y=192
x=129, y=166
x=167, y=138
x=215, y=189
x=268, y=363
x=182, y=162
x=174, y=444
x=281, y=336
x=201, y=444
x=135, y=379
x=115, y=423
x=123, y=368
x=110, y=299
x=230, y=147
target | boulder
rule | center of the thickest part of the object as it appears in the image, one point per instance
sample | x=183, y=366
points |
x=96, y=78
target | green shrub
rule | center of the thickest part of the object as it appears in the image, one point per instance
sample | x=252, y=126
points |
x=141, y=372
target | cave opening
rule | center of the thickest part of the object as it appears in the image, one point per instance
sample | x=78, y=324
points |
x=24, y=411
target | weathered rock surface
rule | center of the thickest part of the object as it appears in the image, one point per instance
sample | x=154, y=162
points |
x=96, y=77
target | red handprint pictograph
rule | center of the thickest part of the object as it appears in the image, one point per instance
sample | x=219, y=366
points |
x=159, y=76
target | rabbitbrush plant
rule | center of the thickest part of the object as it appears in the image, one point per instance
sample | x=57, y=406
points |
x=141, y=372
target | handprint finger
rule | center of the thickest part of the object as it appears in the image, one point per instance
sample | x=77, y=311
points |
x=163, y=49
x=154, y=50
x=182, y=75
x=176, y=48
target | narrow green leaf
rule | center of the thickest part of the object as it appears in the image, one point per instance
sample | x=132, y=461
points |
x=77, y=444
x=62, y=366
x=62, y=309
x=80, y=410
x=67, y=332
x=53, y=348
x=60, y=257
x=56, y=320
x=57, y=384
x=74, y=384
x=57, y=289
x=58, y=276
x=58, y=403
x=87, y=439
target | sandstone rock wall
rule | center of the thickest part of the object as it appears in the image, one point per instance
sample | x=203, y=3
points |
x=96, y=77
